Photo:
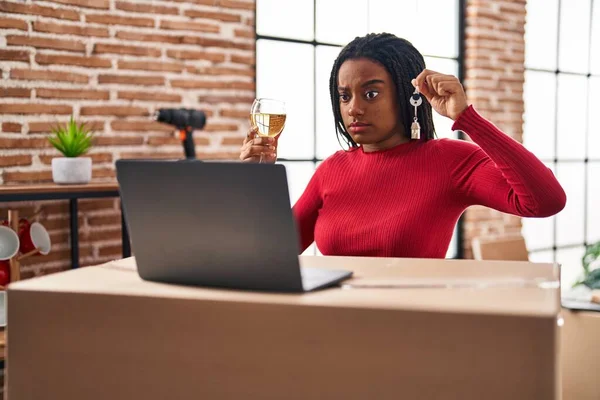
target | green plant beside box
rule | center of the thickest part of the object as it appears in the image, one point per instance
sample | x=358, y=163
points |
x=72, y=140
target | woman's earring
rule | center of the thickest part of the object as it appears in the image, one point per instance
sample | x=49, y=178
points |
x=415, y=128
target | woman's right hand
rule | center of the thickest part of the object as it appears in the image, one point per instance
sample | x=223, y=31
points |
x=255, y=145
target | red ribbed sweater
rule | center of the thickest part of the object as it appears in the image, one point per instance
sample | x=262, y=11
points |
x=405, y=201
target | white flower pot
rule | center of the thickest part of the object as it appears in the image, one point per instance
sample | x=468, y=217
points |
x=71, y=170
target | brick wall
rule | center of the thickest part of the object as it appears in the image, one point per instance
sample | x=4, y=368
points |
x=113, y=63
x=494, y=78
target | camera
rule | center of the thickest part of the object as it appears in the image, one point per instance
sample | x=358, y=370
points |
x=185, y=120
x=182, y=118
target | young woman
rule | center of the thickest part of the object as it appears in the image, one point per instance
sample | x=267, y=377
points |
x=392, y=196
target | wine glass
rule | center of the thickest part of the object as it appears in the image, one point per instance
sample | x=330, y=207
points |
x=268, y=117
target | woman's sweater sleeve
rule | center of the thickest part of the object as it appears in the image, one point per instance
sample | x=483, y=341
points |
x=501, y=173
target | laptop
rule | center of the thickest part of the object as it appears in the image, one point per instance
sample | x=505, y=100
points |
x=218, y=224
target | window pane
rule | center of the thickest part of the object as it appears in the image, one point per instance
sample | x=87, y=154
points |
x=384, y=17
x=294, y=20
x=569, y=222
x=327, y=143
x=571, y=125
x=542, y=256
x=298, y=175
x=573, y=52
x=445, y=20
x=277, y=63
x=452, y=248
x=593, y=146
x=539, y=97
x=595, y=47
x=571, y=268
x=341, y=21
x=541, y=33
x=593, y=211
x=443, y=125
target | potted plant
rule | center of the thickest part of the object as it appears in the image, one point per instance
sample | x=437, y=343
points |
x=72, y=140
x=591, y=267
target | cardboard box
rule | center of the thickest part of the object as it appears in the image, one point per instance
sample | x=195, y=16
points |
x=103, y=333
x=580, y=355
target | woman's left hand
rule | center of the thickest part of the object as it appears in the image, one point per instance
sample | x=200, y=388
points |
x=445, y=93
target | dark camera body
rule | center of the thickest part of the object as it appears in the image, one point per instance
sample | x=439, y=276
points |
x=185, y=120
x=182, y=118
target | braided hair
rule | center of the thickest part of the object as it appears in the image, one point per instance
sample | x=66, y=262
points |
x=403, y=62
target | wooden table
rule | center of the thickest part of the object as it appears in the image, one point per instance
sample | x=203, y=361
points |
x=51, y=191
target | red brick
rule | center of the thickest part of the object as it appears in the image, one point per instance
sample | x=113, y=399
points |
x=219, y=16
x=220, y=71
x=28, y=176
x=110, y=251
x=14, y=55
x=153, y=66
x=190, y=84
x=242, y=5
x=11, y=23
x=220, y=43
x=37, y=143
x=232, y=141
x=61, y=29
x=105, y=48
x=15, y=92
x=149, y=96
x=146, y=8
x=14, y=161
x=103, y=235
x=105, y=220
x=189, y=26
x=195, y=55
x=246, y=60
x=59, y=237
x=111, y=19
x=35, y=109
x=103, y=173
x=201, y=141
x=47, y=126
x=235, y=113
x=11, y=127
x=97, y=158
x=118, y=141
x=244, y=33
x=72, y=94
x=132, y=80
x=43, y=75
x=45, y=43
x=113, y=110
x=140, y=125
x=33, y=9
x=101, y=4
x=153, y=155
x=83, y=61
x=221, y=127
x=164, y=141
x=218, y=155
x=148, y=37
x=226, y=99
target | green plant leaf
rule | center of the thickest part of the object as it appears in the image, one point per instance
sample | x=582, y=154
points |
x=71, y=139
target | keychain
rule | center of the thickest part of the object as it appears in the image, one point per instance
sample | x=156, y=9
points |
x=415, y=128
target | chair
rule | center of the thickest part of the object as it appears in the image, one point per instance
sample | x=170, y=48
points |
x=507, y=248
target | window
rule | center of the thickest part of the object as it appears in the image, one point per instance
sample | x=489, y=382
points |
x=562, y=92
x=295, y=50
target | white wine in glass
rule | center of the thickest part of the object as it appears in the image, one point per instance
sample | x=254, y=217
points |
x=268, y=116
